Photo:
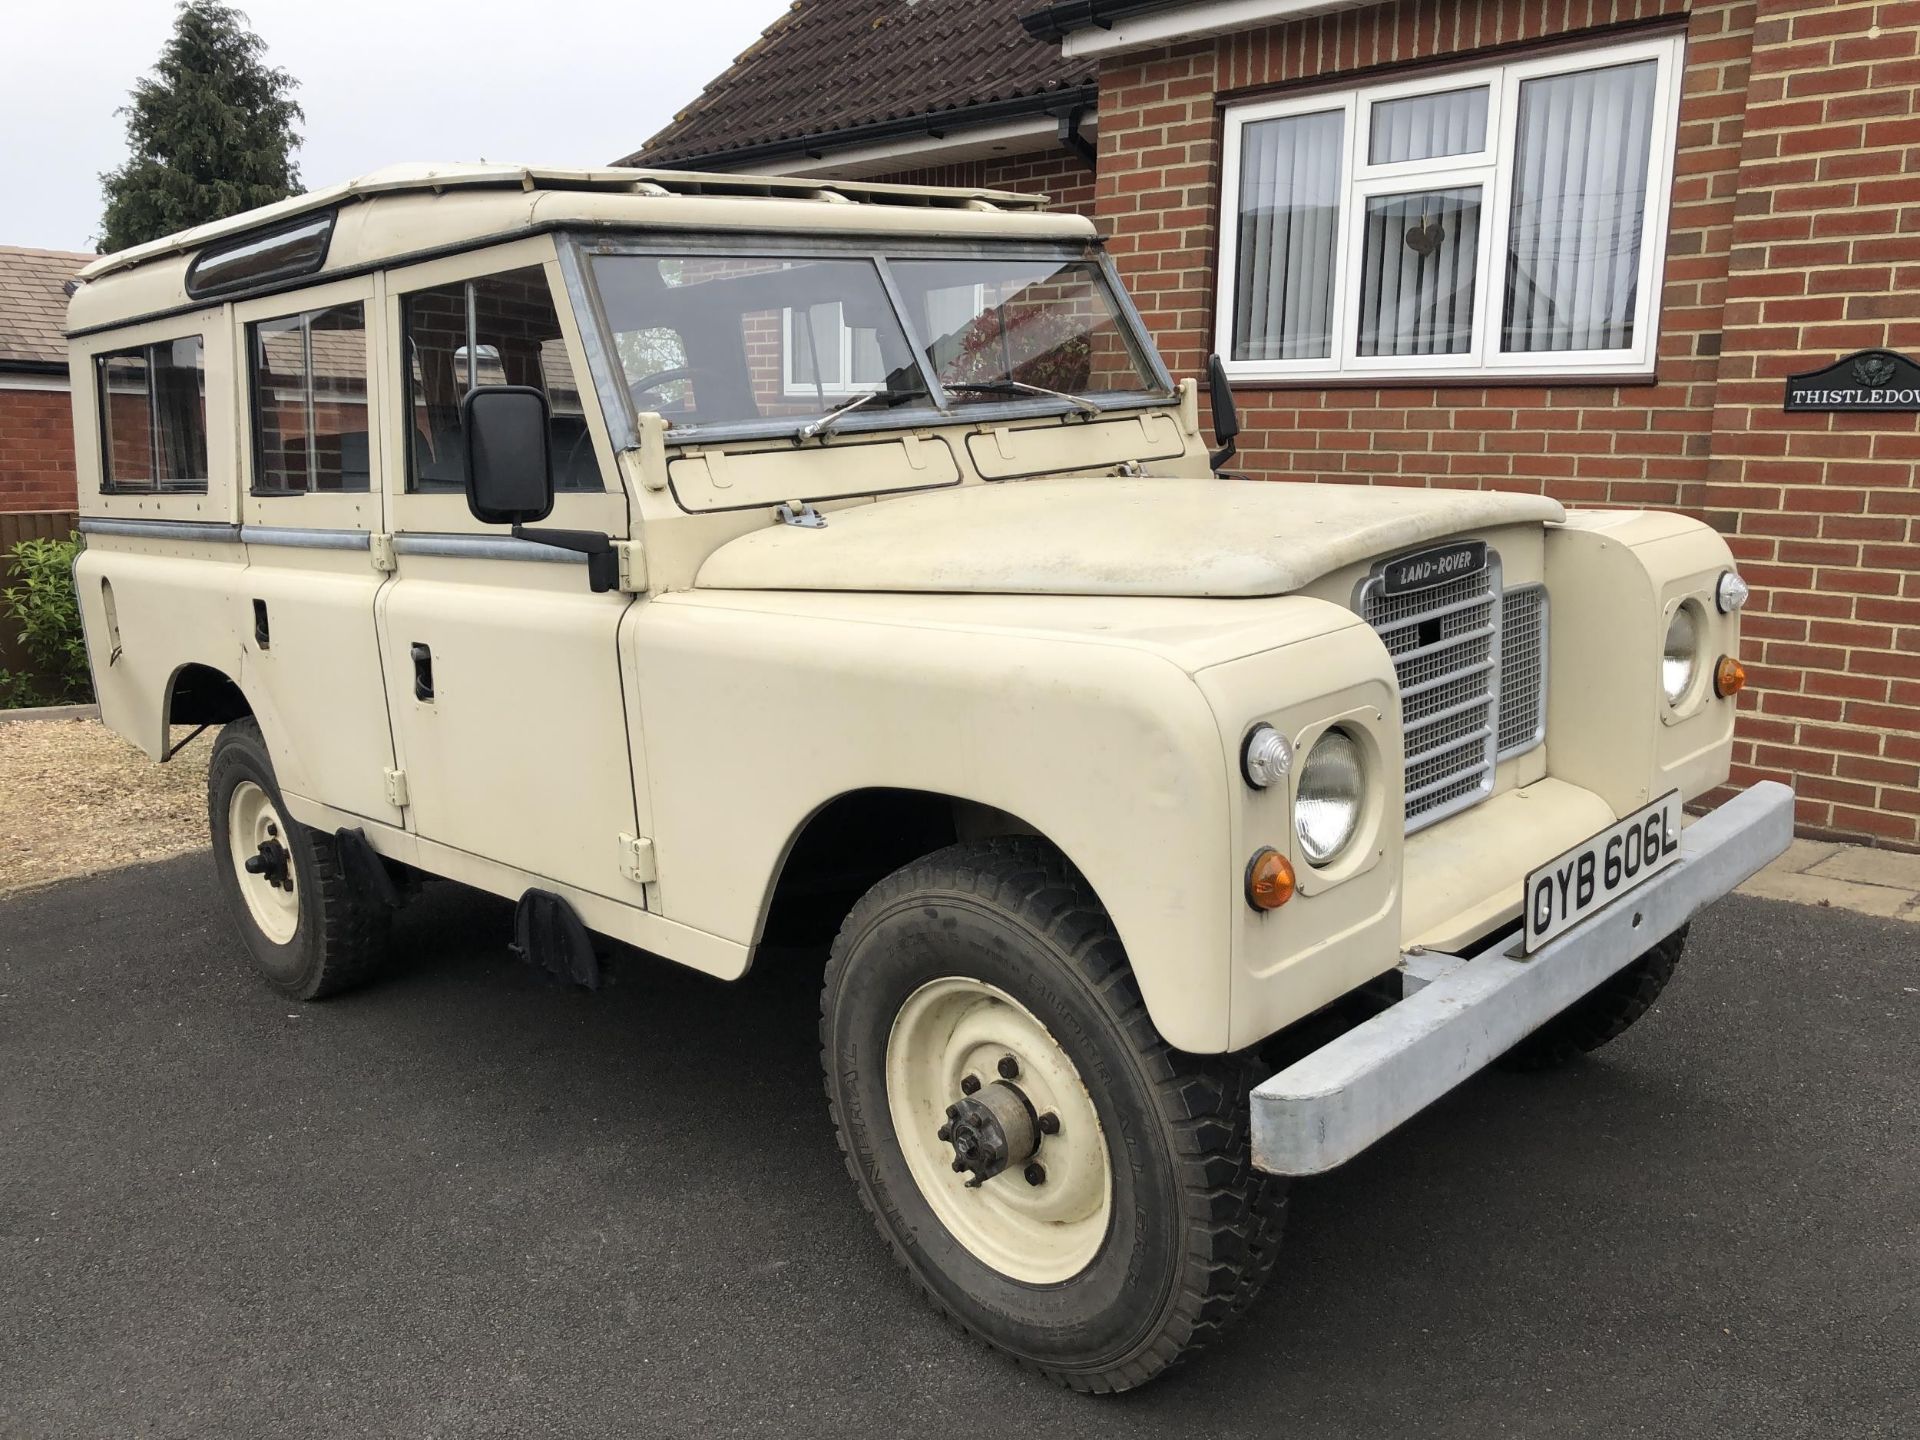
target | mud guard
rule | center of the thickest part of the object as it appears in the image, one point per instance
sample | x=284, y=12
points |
x=548, y=935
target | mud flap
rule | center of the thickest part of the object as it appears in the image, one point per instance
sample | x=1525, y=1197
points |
x=365, y=869
x=548, y=935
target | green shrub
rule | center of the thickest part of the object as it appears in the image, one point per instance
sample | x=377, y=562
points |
x=41, y=603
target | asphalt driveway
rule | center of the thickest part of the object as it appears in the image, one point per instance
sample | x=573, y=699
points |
x=468, y=1202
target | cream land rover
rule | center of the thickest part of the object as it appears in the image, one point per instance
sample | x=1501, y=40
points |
x=706, y=562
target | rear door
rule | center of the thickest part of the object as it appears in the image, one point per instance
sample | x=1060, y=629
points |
x=311, y=454
x=503, y=667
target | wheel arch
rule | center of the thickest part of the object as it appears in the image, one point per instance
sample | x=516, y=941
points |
x=852, y=841
x=201, y=694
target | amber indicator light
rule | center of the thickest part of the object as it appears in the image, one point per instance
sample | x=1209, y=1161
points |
x=1729, y=677
x=1269, y=880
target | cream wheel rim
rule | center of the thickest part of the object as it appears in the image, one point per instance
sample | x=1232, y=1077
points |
x=262, y=861
x=957, y=1030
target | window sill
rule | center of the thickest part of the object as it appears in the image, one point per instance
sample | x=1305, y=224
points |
x=1517, y=380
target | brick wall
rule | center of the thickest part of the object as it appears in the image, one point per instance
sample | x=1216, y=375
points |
x=1055, y=172
x=36, y=450
x=1794, y=238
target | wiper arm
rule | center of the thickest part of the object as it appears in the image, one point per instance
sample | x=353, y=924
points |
x=826, y=424
x=1020, y=387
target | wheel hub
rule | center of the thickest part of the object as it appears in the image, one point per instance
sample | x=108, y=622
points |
x=272, y=864
x=991, y=1130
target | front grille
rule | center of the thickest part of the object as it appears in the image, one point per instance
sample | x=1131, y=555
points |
x=1471, y=663
x=1523, y=669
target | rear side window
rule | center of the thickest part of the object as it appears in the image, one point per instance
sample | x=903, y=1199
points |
x=153, y=417
x=496, y=330
x=310, y=431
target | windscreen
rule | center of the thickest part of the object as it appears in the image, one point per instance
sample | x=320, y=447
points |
x=1052, y=324
x=709, y=340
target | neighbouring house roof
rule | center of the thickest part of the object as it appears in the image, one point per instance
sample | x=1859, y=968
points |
x=832, y=73
x=33, y=307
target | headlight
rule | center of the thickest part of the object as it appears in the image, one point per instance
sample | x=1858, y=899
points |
x=1682, y=655
x=1730, y=592
x=1326, y=808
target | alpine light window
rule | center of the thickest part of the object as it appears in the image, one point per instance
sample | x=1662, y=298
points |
x=1507, y=222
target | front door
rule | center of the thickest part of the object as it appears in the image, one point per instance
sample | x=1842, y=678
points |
x=503, y=668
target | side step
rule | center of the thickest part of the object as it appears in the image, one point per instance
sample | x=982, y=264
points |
x=548, y=935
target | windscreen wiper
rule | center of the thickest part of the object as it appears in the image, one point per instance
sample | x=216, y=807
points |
x=826, y=424
x=1020, y=387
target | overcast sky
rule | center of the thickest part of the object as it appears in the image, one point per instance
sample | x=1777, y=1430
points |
x=558, y=82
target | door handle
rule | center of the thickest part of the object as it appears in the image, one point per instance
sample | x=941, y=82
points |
x=422, y=672
x=261, y=637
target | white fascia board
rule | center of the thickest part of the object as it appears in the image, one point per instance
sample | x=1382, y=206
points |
x=27, y=381
x=1190, y=22
x=1011, y=137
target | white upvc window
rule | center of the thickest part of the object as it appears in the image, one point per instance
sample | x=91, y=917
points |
x=822, y=354
x=1505, y=222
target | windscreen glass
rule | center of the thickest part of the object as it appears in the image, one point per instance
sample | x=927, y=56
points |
x=709, y=340
x=1051, y=324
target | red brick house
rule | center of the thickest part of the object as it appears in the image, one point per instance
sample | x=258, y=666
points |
x=1572, y=246
x=36, y=414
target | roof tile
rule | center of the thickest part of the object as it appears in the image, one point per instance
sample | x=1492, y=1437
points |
x=33, y=304
x=829, y=65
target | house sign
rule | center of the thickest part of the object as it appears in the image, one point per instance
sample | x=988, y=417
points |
x=1869, y=381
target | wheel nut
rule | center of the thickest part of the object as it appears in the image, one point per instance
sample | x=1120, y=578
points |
x=969, y=1084
x=953, y=1112
x=1049, y=1123
x=1009, y=1068
x=945, y=1132
x=958, y=1166
x=1036, y=1174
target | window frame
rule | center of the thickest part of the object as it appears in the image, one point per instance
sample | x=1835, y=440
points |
x=309, y=509
x=445, y=512
x=1491, y=170
x=152, y=484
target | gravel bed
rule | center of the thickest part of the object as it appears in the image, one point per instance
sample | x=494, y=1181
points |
x=76, y=799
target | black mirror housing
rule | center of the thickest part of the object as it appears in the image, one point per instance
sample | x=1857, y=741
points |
x=509, y=468
x=1226, y=414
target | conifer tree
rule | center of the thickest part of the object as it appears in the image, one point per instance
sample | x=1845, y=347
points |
x=210, y=132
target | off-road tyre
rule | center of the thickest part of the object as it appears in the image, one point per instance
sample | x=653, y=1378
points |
x=341, y=937
x=1603, y=1014
x=1193, y=1228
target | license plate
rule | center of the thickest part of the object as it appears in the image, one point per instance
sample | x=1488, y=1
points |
x=1597, y=871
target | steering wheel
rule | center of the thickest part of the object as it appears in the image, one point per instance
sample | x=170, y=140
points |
x=647, y=384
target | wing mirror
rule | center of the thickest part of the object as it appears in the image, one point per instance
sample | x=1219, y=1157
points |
x=509, y=469
x=1226, y=415
x=510, y=475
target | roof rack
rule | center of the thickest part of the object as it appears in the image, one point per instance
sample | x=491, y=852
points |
x=434, y=179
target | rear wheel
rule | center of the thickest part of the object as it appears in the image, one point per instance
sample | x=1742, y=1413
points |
x=1603, y=1013
x=310, y=931
x=1054, y=1176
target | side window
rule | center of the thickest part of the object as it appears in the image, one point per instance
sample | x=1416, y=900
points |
x=497, y=330
x=310, y=402
x=153, y=417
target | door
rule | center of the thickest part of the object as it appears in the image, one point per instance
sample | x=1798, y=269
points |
x=312, y=458
x=503, y=667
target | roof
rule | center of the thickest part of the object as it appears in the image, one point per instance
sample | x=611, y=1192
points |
x=835, y=72
x=413, y=210
x=33, y=306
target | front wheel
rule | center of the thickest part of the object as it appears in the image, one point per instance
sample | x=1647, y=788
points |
x=1053, y=1175
x=1603, y=1014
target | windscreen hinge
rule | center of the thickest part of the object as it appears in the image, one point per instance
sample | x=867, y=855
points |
x=799, y=512
x=380, y=552
x=636, y=859
x=397, y=789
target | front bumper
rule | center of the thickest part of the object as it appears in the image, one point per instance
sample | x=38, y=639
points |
x=1326, y=1108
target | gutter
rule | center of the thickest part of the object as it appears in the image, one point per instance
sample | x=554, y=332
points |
x=1055, y=22
x=1065, y=105
x=34, y=367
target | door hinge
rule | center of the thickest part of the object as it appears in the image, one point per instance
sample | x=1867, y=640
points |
x=636, y=859
x=397, y=789
x=633, y=567
x=380, y=552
